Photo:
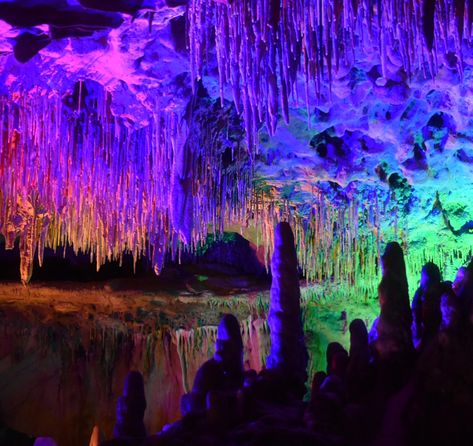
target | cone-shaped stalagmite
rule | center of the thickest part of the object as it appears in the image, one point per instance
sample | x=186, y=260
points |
x=131, y=408
x=288, y=353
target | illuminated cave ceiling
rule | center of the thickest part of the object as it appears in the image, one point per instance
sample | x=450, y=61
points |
x=340, y=119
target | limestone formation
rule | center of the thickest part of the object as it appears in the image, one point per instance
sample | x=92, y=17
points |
x=131, y=407
x=288, y=353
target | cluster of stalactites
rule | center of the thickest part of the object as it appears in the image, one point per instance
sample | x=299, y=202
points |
x=336, y=242
x=340, y=243
x=263, y=46
x=86, y=178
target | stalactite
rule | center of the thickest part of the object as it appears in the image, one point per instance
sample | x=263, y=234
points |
x=288, y=354
x=262, y=46
x=76, y=174
x=339, y=243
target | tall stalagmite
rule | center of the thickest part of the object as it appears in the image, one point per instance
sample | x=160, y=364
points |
x=288, y=353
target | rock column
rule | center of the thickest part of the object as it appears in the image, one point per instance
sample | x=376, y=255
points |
x=288, y=353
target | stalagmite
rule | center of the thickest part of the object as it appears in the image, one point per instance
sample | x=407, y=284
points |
x=288, y=354
x=131, y=408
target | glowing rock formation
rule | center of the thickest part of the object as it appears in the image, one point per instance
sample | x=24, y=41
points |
x=110, y=144
x=288, y=351
x=92, y=180
x=263, y=46
x=131, y=408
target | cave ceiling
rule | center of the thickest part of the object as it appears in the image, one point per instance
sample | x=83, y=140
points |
x=143, y=125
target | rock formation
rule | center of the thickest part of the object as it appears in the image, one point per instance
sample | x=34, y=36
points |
x=131, y=408
x=288, y=354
